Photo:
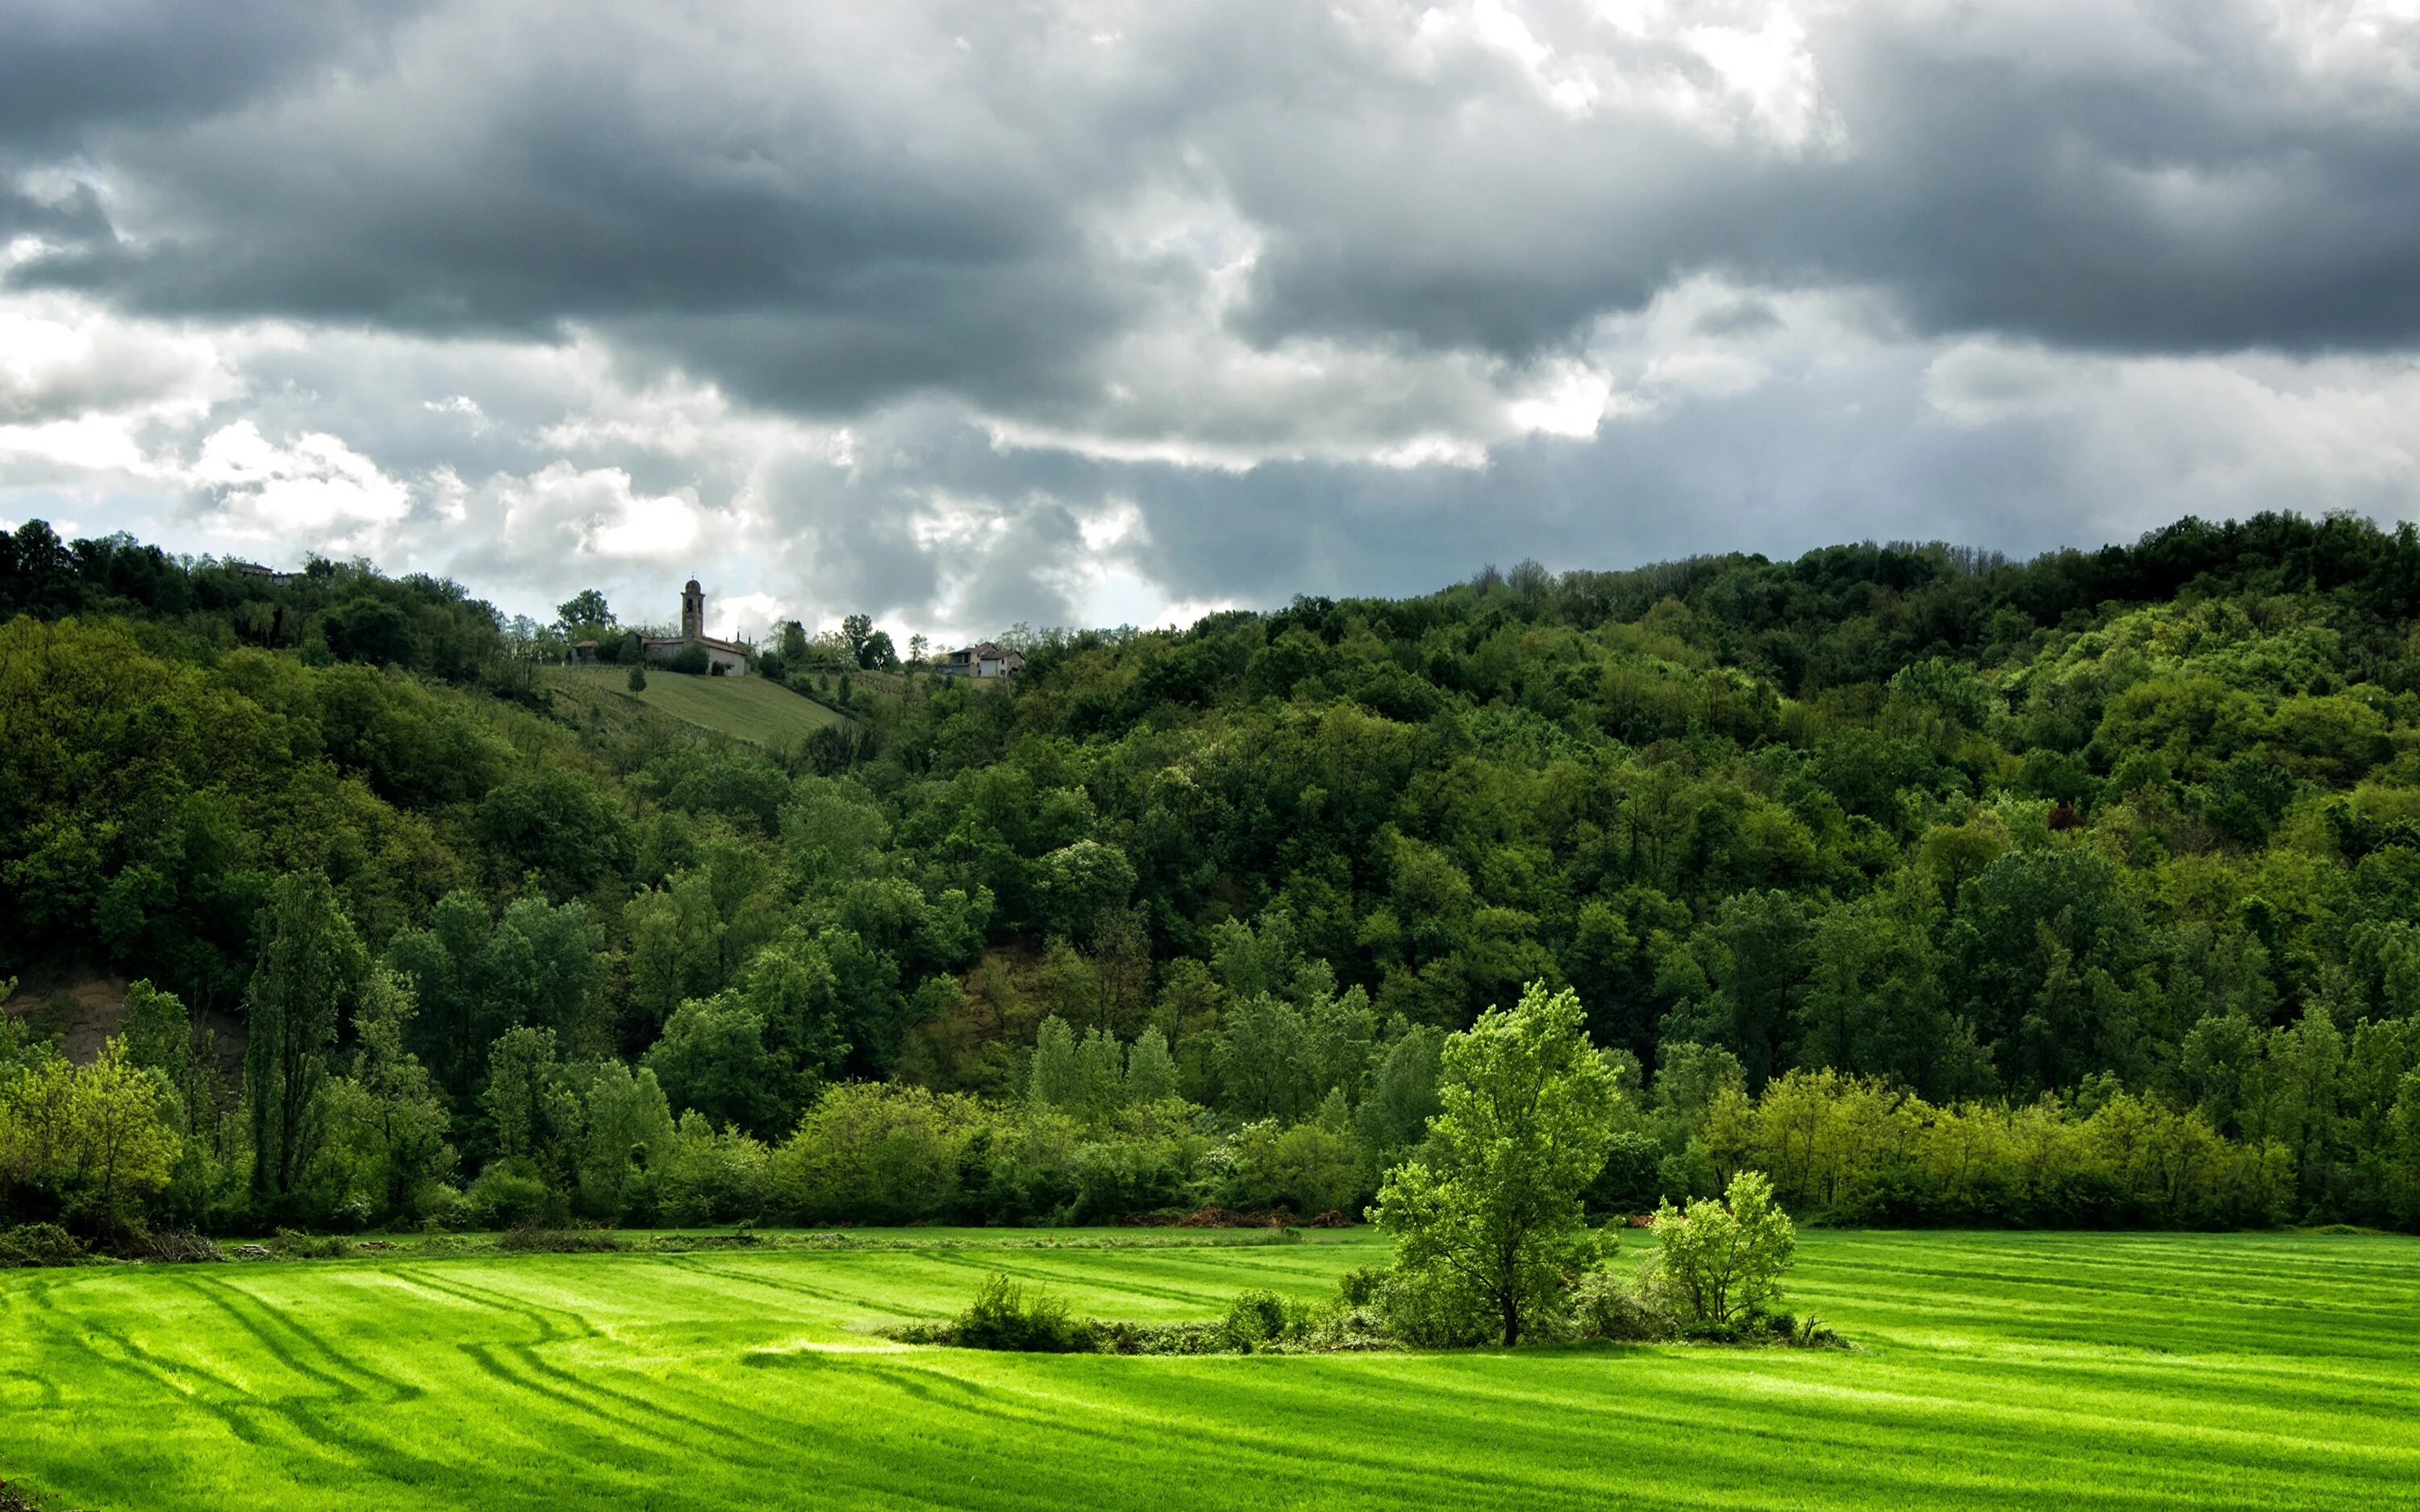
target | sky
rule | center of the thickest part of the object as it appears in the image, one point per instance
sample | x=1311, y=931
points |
x=1090, y=312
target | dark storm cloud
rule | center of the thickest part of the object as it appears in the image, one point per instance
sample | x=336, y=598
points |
x=823, y=215
x=2210, y=200
x=66, y=68
x=891, y=298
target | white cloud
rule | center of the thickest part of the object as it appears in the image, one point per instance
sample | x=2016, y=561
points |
x=314, y=489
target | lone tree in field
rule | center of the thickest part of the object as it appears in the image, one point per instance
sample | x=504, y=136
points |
x=1489, y=1213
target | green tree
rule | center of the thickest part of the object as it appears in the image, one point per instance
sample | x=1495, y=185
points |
x=1267, y=1063
x=560, y=824
x=713, y=1058
x=1489, y=1213
x=529, y=1113
x=1054, y=1080
x=638, y=678
x=1402, y=1096
x=1719, y=1263
x=386, y=1116
x=125, y=1145
x=583, y=611
x=1151, y=1070
x=311, y=964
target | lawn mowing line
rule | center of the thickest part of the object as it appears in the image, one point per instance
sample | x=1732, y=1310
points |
x=1028, y=1271
x=693, y=1265
x=220, y=1294
x=537, y=1316
x=1689, y=1423
x=244, y=1412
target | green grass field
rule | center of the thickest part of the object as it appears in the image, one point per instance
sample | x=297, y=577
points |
x=745, y=708
x=1992, y=1370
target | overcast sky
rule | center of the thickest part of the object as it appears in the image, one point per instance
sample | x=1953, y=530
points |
x=968, y=314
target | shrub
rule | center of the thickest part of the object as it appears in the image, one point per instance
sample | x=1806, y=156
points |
x=709, y=1177
x=302, y=1246
x=32, y=1244
x=504, y=1197
x=1002, y=1317
x=1431, y=1312
x=1603, y=1308
x=872, y=1152
x=1122, y=1177
x=1254, y=1317
x=1717, y=1264
x=638, y=678
x=1303, y=1169
x=1358, y=1287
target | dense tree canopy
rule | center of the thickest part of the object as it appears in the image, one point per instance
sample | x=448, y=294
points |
x=2111, y=840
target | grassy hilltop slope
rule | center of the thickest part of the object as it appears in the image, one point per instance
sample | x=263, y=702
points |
x=1992, y=1370
x=745, y=708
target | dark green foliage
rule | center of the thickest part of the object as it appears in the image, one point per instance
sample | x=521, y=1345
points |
x=2132, y=829
x=311, y=968
x=557, y=823
x=30, y=1244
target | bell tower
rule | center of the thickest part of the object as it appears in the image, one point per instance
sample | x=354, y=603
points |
x=692, y=611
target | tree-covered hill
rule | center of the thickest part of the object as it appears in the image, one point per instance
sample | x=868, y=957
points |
x=1885, y=840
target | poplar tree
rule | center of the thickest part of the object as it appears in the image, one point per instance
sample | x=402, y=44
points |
x=310, y=964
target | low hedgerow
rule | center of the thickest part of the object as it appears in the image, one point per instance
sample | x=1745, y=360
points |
x=32, y=1244
x=529, y=1240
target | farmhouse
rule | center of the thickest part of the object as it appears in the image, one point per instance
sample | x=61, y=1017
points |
x=724, y=657
x=986, y=660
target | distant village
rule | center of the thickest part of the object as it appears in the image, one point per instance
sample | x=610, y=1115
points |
x=691, y=649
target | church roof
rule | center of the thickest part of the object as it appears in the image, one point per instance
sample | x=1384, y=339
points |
x=706, y=640
x=692, y=587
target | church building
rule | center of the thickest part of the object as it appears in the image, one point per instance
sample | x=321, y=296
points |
x=720, y=656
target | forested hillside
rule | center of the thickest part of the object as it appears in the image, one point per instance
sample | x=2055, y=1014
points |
x=1944, y=888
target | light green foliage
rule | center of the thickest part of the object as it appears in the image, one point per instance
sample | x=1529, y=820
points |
x=888, y=1153
x=1307, y=1169
x=626, y=1131
x=1720, y=1263
x=1151, y=1071
x=1489, y=1210
x=1052, y=1081
x=96, y=1139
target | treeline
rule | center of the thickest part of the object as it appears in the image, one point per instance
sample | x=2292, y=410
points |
x=2130, y=829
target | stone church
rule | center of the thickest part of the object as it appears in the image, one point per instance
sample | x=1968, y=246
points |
x=721, y=655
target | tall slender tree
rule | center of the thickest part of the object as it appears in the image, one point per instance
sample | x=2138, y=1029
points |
x=311, y=964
